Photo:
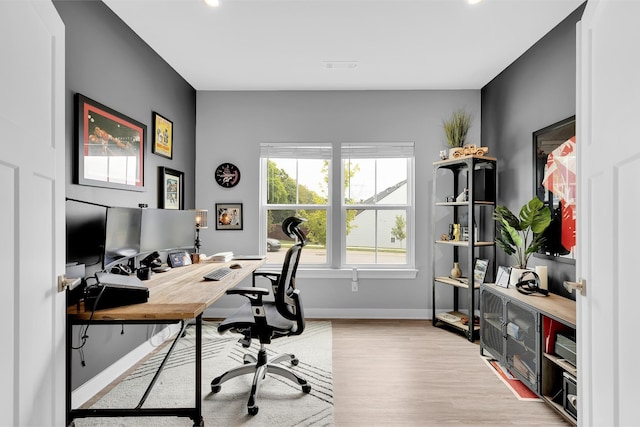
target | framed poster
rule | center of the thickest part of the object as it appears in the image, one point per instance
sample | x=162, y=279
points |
x=109, y=147
x=171, y=189
x=228, y=216
x=162, y=136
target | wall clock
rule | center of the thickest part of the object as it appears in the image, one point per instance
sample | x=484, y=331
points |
x=227, y=175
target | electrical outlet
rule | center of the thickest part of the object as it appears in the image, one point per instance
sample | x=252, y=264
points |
x=354, y=286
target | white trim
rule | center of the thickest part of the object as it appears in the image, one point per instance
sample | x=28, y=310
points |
x=86, y=391
x=340, y=313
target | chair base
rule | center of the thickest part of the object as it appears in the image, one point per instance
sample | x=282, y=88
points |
x=260, y=367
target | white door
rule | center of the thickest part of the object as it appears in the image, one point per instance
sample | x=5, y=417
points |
x=32, y=173
x=609, y=225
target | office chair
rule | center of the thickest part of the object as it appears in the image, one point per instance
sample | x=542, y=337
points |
x=267, y=320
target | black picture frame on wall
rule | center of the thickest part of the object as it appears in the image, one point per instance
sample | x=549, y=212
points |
x=545, y=141
x=171, y=189
x=109, y=147
x=228, y=216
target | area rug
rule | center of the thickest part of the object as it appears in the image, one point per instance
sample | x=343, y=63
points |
x=516, y=386
x=281, y=402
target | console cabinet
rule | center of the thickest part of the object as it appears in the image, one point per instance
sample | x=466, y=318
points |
x=520, y=332
x=475, y=176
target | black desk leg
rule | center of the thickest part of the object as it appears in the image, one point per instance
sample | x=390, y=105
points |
x=198, y=421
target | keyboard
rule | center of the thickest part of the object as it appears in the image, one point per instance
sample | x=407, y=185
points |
x=218, y=274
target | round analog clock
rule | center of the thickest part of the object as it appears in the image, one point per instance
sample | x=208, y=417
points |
x=227, y=175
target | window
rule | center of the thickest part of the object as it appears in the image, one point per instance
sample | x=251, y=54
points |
x=373, y=202
x=296, y=181
x=377, y=204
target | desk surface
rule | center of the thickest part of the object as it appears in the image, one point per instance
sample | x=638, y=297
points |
x=178, y=294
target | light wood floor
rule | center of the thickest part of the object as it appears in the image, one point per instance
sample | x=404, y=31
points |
x=409, y=373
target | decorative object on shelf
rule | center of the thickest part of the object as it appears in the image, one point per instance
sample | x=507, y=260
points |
x=457, y=127
x=541, y=271
x=464, y=196
x=227, y=175
x=502, y=276
x=468, y=150
x=105, y=141
x=521, y=236
x=171, y=189
x=162, y=136
x=229, y=216
x=455, y=271
x=444, y=155
x=456, y=232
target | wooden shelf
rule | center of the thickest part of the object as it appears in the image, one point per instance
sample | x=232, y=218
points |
x=464, y=243
x=559, y=409
x=562, y=363
x=457, y=324
x=454, y=282
x=475, y=202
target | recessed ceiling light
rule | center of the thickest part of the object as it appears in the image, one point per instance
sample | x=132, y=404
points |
x=340, y=65
x=473, y=1
x=212, y=3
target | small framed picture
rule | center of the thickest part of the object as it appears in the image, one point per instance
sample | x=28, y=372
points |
x=502, y=276
x=162, y=136
x=178, y=259
x=228, y=216
x=171, y=189
x=480, y=270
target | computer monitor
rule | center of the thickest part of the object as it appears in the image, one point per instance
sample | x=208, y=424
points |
x=85, y=232
x=122, y=234
x=167, y=229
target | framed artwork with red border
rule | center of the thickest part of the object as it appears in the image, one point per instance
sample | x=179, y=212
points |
x=110, y=147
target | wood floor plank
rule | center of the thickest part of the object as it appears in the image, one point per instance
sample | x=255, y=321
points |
x=409, y=373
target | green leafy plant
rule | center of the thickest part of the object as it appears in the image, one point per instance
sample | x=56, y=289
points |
x=522, y=236
x=457, y=127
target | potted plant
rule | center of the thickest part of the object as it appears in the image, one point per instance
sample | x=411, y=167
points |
x=521, y=236
x=457, y=127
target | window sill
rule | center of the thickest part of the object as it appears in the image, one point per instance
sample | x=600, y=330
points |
x=362, y=273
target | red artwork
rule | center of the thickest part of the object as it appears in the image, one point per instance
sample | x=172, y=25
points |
x=560, y=179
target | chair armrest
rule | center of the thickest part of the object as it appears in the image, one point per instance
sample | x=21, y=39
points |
x=246, y=291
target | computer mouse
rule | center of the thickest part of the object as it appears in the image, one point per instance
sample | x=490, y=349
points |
x=235, y=265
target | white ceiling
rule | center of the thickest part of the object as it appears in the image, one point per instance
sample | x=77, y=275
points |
x=285, y=44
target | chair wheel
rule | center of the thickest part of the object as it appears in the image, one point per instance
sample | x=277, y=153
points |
x=306, y=388
x=215, y=388
x=253, y=410
x=295, y=362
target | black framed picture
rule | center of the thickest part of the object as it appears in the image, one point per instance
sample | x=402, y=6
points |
x=109, y=147
x=178, y=259
x=171, y=189
x=162, y=136
x=228, y=216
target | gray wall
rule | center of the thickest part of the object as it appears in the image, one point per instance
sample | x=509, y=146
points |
x=107, y=62
x=232, y=124
x=535, y=91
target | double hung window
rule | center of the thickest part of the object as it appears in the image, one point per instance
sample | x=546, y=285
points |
x=357, y=199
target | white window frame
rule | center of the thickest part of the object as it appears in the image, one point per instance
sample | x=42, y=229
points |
x=336, y=209
x=379, y=150
x=295, y=150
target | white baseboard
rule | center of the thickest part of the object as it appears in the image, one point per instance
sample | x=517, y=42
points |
x=92, y=387
x=341, y=313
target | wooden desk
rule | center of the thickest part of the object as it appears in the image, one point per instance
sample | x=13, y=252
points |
x=177, y=295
